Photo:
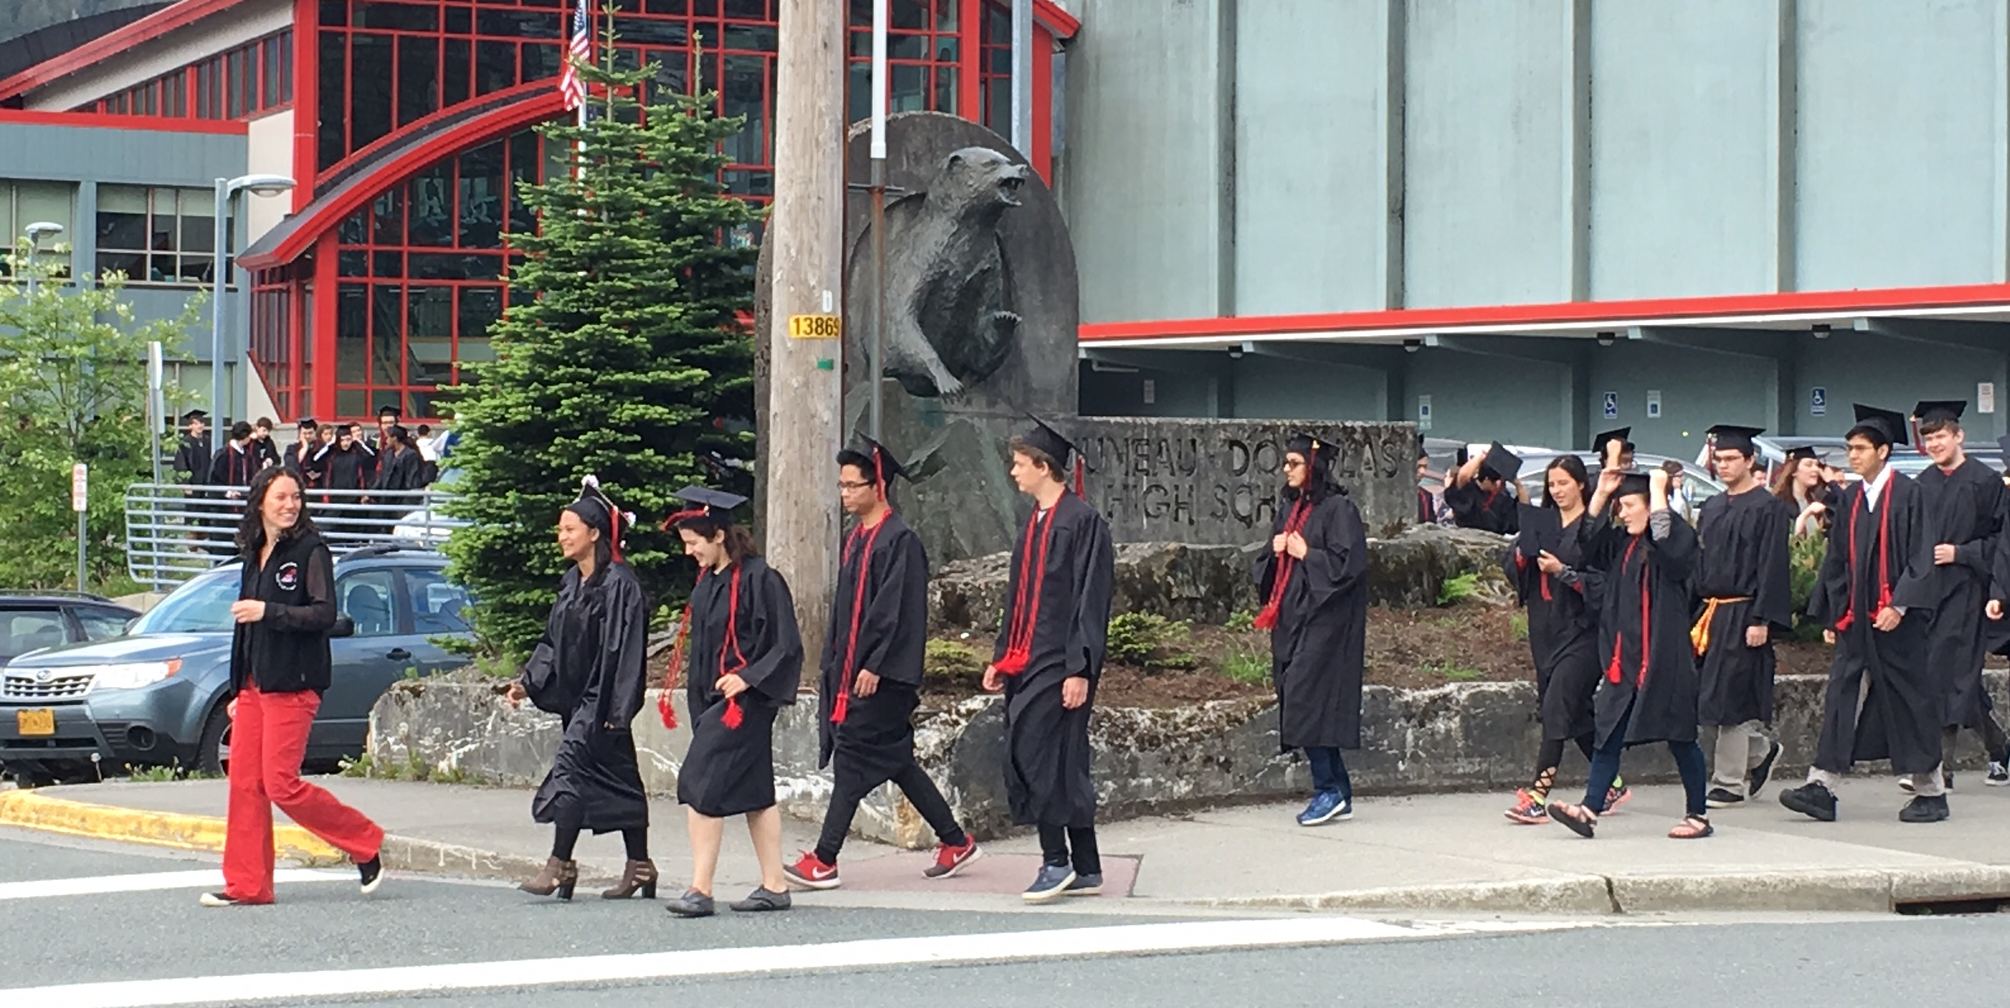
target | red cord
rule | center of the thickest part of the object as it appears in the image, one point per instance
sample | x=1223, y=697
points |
x=1294, y=521
x=733, y=716
x=842, y=705
x=1026, y=602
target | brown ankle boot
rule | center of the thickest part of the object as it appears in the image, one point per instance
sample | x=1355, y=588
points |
x=558, y=878
x=638, y=876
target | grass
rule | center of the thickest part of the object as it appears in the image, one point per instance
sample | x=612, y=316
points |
x=1458, y=589
x=1454, y=672
x=412, y=769
x=1247, y=667
x=1519, y=623
x=165, y=774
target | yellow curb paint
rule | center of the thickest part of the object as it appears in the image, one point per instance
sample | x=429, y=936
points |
x=162, y=829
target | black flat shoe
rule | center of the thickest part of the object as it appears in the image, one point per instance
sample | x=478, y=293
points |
x=692, y=904
x=762, y=900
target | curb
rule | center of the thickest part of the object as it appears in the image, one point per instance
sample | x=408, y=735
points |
x=161, y=829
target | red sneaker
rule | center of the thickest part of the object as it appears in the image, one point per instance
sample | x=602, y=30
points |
x=811, y=872
x=950, y=860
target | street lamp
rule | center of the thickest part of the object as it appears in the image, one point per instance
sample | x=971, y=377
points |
x=35, y=233
x=226, y=191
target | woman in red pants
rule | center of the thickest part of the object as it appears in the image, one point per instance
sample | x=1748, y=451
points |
x=278, y=670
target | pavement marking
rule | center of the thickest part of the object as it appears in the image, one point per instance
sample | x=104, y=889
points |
x=202, y=878
x=935, y=950
x=30, y=810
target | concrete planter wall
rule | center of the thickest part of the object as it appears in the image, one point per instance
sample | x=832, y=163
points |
x=1474, y=736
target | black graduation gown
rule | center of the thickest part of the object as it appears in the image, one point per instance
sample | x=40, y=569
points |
x=1047, y=757
x=1655, y=665
x=730, y=770
x=1562, y=628
x=1965, y=508
x=1744, y=555
x=876, y=739
x=191, y=459
x=591, y=668
x=310, y=467
x=265, y=452
x=234, y=467
x=398, y=471
x=344, y=470
x=1477, y=509
x=1900, y=716
x=1318, y=646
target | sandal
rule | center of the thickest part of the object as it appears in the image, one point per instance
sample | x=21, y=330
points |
x=1693, y=827
x=1581, y=821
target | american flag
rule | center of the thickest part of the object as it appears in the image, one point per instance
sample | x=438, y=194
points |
x=578, y=51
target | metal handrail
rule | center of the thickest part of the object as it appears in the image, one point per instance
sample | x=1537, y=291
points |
x=175, y=531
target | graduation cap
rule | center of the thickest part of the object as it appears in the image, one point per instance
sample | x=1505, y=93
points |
x=1942, y=410
x=307, y=423
x=1056, y=446
x=599, y=510
x=875, y=460
x=1731, y=437
x=1501, y=463
x=1883, y=422
x=705, y=502
x=1633, y=483
x=1315, y=448
x=1803, y=452
x=389, y=411
x=1621, y=435
x=193, y=415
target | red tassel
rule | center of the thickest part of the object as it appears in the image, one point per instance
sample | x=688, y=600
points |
x=667, y=706
x=1267, y=618
x=1080, y=471
x=666, y=703
x=732, y=717
x=841, y=707
x=1013, y=663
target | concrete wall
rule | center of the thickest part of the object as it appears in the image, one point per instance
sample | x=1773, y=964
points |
x=1699, y=388
x=1285, y=156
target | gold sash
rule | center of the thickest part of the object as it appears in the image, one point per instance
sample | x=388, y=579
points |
x=1699, y=635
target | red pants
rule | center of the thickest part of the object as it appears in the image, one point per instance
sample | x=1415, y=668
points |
x=268, y=738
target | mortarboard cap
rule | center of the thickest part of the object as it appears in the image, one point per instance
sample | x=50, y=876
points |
x=1632, y=483
x=389, y=410
x=307, y=423
x=1891, y=426
x=1055, y=444
x=1621, y=435
x=1731, y=437
x=1501, y=463
x=1939, y=409
x=1310, y=445
x=706, y=503
x=1803, y=452
x=193, y=415
x=873, y=459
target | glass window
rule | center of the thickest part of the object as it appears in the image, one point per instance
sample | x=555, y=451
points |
x=25, y=630
x=369, y=598
x=197, y=606
x=25, y=203
x=418, y=78
x=157, y=235
x=369, y=89
x=102, y=624
x=438, y=606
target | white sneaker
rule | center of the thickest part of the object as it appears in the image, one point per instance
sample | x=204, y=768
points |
x=1999, y=775
x=1905, y=783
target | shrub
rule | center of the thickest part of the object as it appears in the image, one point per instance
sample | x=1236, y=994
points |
x=1458, y=589
x=1240, y=621
x=952, y=664
x=1150, y=642
x=1804, y=568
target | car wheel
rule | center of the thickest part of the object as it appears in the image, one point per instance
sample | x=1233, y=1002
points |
x=212, y=755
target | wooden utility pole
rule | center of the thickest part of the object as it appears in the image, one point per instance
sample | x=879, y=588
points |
x=806, y=258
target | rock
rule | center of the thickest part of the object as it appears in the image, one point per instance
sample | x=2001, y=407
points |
x=1409, y=569
x=1175, y=580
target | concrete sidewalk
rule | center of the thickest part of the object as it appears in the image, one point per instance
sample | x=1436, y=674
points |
x=1453, y=853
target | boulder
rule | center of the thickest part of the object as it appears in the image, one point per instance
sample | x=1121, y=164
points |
x=1408, y=570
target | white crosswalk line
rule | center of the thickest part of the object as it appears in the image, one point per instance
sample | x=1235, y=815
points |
x=937, y=950
x=202, y=878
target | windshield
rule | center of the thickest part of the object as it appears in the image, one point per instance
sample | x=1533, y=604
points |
x=200, y=606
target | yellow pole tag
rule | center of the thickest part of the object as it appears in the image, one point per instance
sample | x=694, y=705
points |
x=815, y=327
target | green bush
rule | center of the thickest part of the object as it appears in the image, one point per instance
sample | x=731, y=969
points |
x=1804, y=568
x=948, y=663
x=1250, y=668
x=1458, y=589
x=1150, y=642
x=1240, y=621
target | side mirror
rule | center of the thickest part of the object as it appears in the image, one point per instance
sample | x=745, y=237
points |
x=344, y=627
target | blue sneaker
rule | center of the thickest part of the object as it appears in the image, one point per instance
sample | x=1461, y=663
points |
x=1053, y=881
x=1085, y=885
x=1326, y=806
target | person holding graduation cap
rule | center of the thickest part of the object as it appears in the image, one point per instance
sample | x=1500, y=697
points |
x=1614, y=449
x=743, y=664
x=1484, y=490
x=1803, y=487
x=591, y=668
x=871, y=673
x=1646, y=556
x=302, y=455
x=1314, y=579
x=1047, y=661
x=1743, y=585
x=1548, y=570
x=1965, y=504
x=1874, y=597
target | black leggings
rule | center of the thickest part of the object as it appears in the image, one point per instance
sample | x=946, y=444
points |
x=565, y=838
x=1550, y=756
x=921, y=792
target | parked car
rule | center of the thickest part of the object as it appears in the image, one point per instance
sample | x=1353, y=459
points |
x=32, y=621
x=430, y=526
x=1696, y=486
x=155, y=696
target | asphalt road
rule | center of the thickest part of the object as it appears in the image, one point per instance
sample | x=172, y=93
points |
x=82, y=914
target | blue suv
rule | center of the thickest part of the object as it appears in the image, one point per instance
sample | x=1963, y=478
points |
x=155, y=696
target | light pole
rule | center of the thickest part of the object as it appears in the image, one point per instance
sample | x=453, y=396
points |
x=226, y=190
x=35, y=233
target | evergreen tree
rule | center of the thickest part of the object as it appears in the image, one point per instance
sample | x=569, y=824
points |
x=621, y=354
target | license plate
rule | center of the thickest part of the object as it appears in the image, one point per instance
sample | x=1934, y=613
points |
x=36, y=722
